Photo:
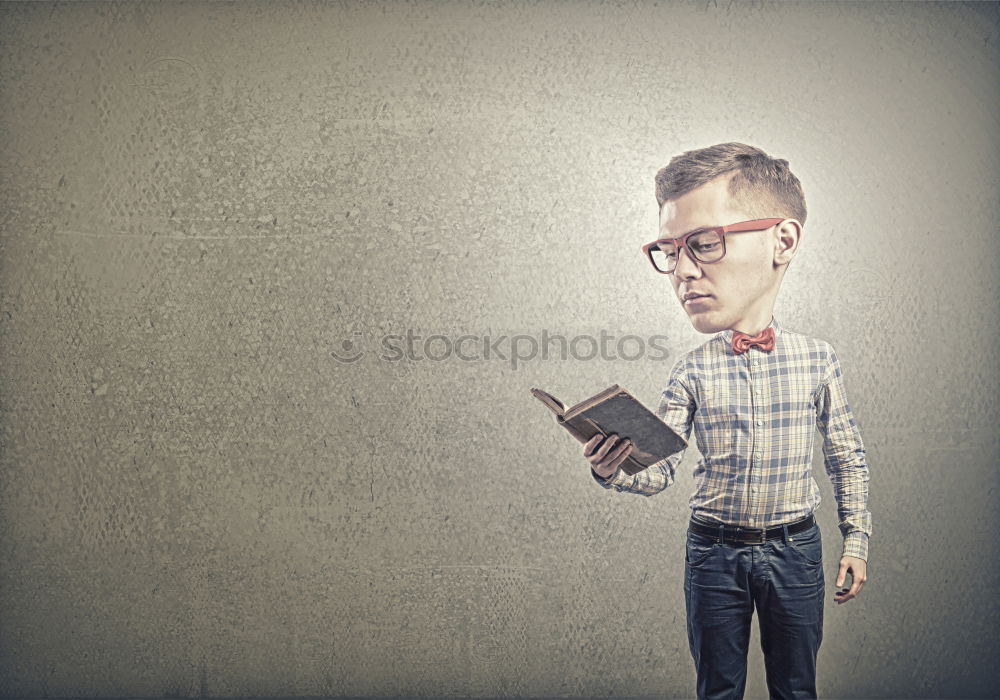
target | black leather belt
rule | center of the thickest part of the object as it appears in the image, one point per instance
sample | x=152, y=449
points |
x=738, y=534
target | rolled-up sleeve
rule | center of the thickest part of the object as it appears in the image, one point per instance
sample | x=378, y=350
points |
x=844, y=459
x=676, y=409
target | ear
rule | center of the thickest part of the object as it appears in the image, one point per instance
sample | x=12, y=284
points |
x=786, y=239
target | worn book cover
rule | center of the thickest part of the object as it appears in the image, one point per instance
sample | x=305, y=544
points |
x=615, y=410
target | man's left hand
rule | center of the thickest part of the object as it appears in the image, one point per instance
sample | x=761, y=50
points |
x=859, y=572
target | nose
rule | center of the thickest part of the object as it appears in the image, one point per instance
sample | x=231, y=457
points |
x=687, y=267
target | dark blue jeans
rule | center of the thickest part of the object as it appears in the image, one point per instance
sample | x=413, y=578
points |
x=783, y=580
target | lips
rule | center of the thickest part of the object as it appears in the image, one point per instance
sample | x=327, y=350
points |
x=693, y=295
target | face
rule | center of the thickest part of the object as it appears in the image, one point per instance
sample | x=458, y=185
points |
x=739, y=290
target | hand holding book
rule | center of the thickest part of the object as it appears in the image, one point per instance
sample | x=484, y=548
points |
x=606, y=454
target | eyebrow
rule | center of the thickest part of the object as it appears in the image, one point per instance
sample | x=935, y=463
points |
x=694, y=230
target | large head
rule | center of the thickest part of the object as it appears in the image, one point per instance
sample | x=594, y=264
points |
x=718, y=186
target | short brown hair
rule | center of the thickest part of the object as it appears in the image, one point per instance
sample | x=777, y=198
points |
x=762, y=185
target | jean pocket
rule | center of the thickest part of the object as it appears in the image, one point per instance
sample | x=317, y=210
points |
x=808, y=545
x=697, y=551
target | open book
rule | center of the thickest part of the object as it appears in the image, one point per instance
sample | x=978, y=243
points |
x=614, y=410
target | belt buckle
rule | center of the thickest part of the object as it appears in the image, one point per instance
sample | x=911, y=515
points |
x=751, y=539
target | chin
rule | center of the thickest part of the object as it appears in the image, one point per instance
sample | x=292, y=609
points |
x=704, y=324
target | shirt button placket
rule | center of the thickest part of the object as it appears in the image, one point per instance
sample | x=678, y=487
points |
x=751, y=490
x=755, y=467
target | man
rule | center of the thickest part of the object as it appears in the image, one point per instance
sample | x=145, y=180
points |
x=731, y=220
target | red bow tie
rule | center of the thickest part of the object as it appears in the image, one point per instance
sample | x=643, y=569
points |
x=764, y=340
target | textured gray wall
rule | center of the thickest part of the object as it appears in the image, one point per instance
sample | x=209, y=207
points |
x=205, y=205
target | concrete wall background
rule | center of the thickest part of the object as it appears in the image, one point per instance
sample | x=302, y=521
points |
x=204, y=205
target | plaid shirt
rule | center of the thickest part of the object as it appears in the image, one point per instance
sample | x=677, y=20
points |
x=755, y=417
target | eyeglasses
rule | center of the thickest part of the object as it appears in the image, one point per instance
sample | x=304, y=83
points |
x=706, y=244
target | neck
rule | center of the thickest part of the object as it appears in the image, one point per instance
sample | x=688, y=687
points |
x=752, y=328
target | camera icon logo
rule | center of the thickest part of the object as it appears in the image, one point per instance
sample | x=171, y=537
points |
x=350, y=350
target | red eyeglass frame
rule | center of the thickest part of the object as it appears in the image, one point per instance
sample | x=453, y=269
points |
x=681, y=241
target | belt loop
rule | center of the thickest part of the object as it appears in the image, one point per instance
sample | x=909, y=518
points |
x=788, y=537
x=722, y=533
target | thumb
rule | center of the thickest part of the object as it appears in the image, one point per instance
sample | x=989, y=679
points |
x=842, y=574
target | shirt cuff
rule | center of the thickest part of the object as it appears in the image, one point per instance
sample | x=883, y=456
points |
x=855, y=545
x=612, y=481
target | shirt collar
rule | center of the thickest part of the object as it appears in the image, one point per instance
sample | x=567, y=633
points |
x=727, y=334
